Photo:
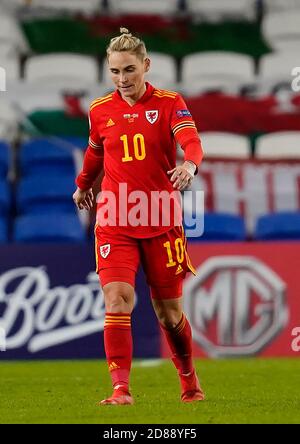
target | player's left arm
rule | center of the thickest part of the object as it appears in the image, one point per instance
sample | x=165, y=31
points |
x=92, y=167
x=186, y=134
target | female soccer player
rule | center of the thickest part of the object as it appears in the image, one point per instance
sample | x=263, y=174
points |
x=133, y=136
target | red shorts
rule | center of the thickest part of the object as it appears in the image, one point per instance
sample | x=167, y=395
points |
x=164, y=259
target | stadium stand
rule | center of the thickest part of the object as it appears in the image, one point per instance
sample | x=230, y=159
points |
x=220, y=10
x=281, y=225
x=221, y=227
x=4, y=159
x=11, y=66
x=281, y=145
x=281, y=5
x=71, y=6
x=3, y=230
x=166, y=7
x=5, y=198
x=43, y=193
x=224, y=68
x=7, y=49
x=8, y=120
x=48, y=228
x=214, y=52
x=225, y=145
x=177, y=36
x=57, y=123
x=278, y=66
x=10, y=32
x=44, y=156
x=62, y=68
x=242, y=115
x=163, y=72
x=282, y=29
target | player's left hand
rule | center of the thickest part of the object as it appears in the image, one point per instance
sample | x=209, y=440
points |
x=182, y=175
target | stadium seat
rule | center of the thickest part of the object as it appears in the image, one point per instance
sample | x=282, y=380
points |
x=218, y=144
x=87, y=7
x=7, y=49
x=9, y=120
x=283, y=225
x=30, y=96
x=279, y=145
x=213, y=10
x=77, y=142
x=4, y=159
x=286, y=44
x=279, y=28
x=9, y=70
x=10, y=31
x=277, y=67
x=163, y=71
x=217, y=84
x=165, y=7
x=63, y=68
x=216, y=67
x=57, y=227
x=5, y=197
x=221, y=227
x=42, y=193
x=40, y=156
x=281, y=5
x=3, y=230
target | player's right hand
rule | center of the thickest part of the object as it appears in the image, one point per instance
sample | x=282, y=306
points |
x=83, y=199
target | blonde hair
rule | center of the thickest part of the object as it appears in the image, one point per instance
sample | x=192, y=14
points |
x=127, y=42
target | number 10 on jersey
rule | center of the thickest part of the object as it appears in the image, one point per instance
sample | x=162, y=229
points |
x=136, y=148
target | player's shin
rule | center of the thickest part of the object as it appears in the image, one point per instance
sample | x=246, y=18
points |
x=118, y=348
x=179, y=339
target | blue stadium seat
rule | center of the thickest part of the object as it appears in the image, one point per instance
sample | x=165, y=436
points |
x=3, y=230
x=222, y=227
x=40, y=194
x=5, y=197
x=76, y=141
x=49, y=228
x=4, y=158
x=45, y=156
x=282, y=225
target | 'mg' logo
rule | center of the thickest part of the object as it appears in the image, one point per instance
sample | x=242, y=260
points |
x=236, y=306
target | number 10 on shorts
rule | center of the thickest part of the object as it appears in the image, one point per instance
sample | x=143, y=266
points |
x=179, y=248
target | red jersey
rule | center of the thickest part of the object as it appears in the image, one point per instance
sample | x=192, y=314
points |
x=138, y=144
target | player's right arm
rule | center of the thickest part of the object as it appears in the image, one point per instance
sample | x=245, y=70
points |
x=92, y=167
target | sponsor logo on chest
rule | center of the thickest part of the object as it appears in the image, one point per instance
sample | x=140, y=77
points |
x=130, y=117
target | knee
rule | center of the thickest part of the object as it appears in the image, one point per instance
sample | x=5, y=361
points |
x=118, y=298
x=169, y=318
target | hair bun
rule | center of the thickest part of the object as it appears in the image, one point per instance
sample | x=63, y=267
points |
x=124, y=31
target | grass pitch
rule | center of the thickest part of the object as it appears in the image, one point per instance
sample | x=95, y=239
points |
x=237, y=391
